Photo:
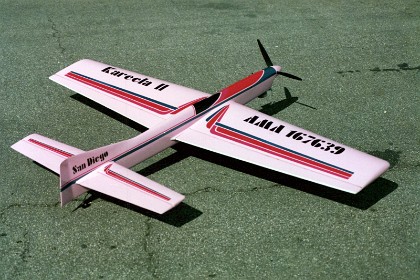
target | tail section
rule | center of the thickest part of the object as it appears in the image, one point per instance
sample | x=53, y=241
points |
x=45, y=151
x=96, y=170
x=64, y=160
x=80, y=165
x=50, y=154
x=80, y=171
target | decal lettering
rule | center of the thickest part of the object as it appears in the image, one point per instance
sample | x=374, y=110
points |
x=78, y=168
x=315, y=142
x=94, y=160
x=145, y=82
x=277, y=129
x=266, y=124
x=90, y=161
x=161, y=87
x=251, y=119
x=141, y=81
x=296, y=135
x=106, y=70
x=117, y=73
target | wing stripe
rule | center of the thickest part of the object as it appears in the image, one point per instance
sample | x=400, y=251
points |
x=50, y=148
x=126, y=180
x=266, y=146
x=151, y=104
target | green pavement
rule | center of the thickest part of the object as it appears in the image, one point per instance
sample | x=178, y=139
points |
x=360, y=64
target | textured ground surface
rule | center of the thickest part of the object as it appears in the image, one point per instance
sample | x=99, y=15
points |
x=360, y=61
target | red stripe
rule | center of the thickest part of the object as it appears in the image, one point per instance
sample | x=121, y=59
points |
x=51, y=148
x=223, y=132
x=240, y=85
x=217, y=117
x=126, y=180
x=121, y=94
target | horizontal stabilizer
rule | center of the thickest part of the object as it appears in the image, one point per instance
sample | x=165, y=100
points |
x=45, y=151
x=117, y=181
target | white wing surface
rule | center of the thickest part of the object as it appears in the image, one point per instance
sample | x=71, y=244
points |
x=246, y=134
x=45, y=151
x=122, y=183
x=143, y=99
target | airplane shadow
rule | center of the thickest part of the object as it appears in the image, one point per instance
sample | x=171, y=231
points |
x=177, y=216
x=275, y=107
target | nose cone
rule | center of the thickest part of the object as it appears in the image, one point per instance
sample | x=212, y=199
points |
x=277, y=68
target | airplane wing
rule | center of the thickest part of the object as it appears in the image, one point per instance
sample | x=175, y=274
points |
x=246, y=134
x=122, y=183
x=140, y=98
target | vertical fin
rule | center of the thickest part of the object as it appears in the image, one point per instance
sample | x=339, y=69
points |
x=78, y=166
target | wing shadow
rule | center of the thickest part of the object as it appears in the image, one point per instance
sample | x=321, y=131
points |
x=116, y=116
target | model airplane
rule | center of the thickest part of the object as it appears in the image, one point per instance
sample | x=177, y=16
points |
x=218, y=122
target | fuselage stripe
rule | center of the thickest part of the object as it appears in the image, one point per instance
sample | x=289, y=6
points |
x=241, y=85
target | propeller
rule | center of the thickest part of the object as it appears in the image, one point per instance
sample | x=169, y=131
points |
x=270, y=63
x=264, y=54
